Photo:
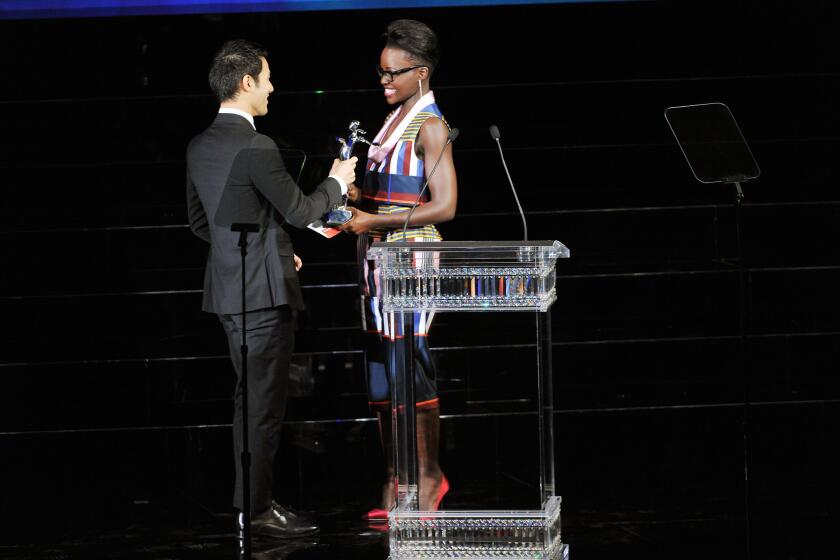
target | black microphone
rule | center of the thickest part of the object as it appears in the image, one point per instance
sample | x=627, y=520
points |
x=453, y=134
x=494, y=133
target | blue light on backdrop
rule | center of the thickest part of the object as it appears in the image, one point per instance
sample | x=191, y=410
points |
x=32, y=9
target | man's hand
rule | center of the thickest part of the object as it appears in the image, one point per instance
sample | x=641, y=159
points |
x=354, y=193
x=345, y=169
x=359, y=223
x=298, y=263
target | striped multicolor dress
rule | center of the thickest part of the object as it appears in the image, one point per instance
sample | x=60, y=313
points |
x=391, y=186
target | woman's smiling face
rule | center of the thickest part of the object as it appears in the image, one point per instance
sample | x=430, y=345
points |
x=399, y=85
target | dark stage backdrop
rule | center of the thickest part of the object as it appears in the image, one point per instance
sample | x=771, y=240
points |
x=116, y=388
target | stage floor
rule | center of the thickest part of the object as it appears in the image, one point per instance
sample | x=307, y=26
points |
x=179, y=531
x=662, y=495
x=594, y=534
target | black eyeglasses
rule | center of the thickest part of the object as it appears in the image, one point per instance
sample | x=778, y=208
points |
x=391, y=74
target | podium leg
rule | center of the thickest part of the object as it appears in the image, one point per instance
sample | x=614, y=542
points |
x=545, y=402
x=404, y=418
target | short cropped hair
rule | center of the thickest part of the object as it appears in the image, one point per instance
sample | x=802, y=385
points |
x=234, y=60
x=416, y=38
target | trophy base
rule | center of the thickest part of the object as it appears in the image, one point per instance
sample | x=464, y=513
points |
x=338, y=217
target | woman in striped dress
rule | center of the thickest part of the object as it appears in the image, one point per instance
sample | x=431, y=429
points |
x=405, y=150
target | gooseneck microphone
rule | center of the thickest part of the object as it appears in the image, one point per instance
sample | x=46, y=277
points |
x=453, y=134
x=494, y=133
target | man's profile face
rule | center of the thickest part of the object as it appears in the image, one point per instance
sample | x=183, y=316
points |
x=261, y=90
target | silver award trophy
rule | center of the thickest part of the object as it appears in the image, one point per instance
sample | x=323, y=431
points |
x=340, y=214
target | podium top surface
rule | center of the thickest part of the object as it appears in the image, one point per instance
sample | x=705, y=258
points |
x=550, y=249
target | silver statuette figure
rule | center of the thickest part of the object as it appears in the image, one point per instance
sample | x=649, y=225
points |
x=340, y=214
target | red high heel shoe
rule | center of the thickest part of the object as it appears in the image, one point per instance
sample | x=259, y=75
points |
x=444, y=488
x=377, y=515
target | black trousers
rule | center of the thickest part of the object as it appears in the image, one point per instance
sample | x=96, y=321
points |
x=270, y=336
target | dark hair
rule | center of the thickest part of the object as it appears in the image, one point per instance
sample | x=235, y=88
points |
x=233, y=61
x=415, y=38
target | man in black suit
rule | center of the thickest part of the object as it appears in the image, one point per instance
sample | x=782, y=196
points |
x=235, y=174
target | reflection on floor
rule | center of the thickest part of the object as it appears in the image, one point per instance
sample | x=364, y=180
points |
x=170, y=535
x=182, y=531
x=658, y=484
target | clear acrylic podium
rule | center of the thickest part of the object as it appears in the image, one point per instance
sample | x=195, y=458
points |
x=471, y=276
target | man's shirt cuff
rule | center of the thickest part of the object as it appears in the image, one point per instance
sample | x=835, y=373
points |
x=340, y=182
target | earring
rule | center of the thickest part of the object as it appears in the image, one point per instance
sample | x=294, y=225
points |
x=420, y=86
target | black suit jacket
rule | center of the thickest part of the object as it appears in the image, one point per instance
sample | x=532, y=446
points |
x=235, y=174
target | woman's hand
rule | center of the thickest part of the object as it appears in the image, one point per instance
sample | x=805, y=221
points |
x=360, y=222
x=354, y=193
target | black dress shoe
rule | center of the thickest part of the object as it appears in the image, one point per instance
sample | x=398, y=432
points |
x=279, y=523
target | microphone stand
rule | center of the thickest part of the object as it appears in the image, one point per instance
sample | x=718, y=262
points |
x=494, y=133
x=744, y=365
x=245, y=456
x=453, y=134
